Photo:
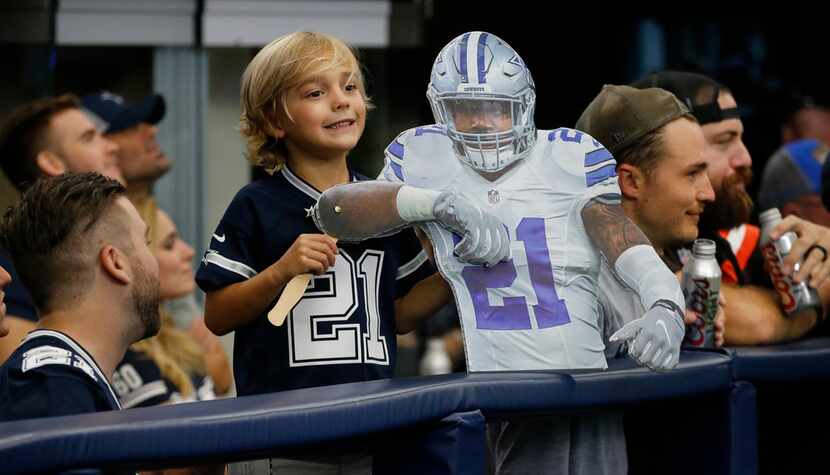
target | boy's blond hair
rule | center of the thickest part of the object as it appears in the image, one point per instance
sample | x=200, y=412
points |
x=285, y=63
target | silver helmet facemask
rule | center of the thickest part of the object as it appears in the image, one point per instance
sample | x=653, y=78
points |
x=482, y=92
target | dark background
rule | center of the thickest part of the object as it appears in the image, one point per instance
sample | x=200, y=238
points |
x=763, y=54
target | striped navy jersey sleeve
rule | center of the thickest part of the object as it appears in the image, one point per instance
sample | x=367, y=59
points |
x=231, y=256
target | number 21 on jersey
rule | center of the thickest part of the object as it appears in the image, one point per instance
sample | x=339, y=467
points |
x=319, y=331
x=514, y=314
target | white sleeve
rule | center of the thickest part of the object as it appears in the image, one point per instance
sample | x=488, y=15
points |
x=600, y=171
x=589, y=167
x=642, y=270
x=393, y=160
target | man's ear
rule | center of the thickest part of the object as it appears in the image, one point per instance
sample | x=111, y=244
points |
x=631, y=180
x=115, y=264
x=50, y=163
x=791, y=207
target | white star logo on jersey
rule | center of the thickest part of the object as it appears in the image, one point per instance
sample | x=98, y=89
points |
x=309, y=212
x=205, y=257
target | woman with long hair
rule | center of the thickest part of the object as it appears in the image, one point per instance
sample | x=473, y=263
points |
x=176, y=365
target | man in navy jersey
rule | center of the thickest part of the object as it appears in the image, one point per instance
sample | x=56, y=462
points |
x=81, y=249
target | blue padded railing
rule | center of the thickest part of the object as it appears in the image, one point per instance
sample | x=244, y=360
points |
x=232, y=428
x=799, y=360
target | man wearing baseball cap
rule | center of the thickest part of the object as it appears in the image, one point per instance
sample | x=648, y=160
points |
x=658, y=147
x=792, y=181
x=133, y=127
x=754, y=314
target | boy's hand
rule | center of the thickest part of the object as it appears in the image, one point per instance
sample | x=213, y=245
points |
x=309, y=254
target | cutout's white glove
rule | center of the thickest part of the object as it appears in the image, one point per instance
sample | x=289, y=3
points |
x=654, y=339
x=484, y=238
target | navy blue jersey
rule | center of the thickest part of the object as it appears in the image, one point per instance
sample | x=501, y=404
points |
x=50, y=374
x=138, y=382
x=19, y=302
x=343, y=329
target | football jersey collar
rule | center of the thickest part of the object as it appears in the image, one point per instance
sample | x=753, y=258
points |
x=78, y=349
x=303, y=185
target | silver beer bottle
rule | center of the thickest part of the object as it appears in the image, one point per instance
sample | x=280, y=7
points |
x=701, y=289
x=794, y=297
x=436, y=360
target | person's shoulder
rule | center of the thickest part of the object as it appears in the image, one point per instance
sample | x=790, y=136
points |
x=423, y=133
x=269, y=185
x=256, y=199
x=47, y=393
x=565, y=143
x=241, y=203
x=574, y=152
x=418, y=141
x=57, y=391
x=422, y=156
x=138, y=381
x=44, y=370
x=140, y=361
x=46, y=353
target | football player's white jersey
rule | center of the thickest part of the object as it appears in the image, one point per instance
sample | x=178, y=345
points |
x=538, y=310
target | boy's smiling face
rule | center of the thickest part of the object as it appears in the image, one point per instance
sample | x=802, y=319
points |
x=325, y=116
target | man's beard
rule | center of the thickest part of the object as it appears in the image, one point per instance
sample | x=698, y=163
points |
x=145, y=301
x=732, y=206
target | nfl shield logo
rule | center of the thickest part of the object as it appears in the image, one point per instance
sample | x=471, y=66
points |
x=493, y=196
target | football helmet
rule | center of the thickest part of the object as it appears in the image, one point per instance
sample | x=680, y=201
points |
x=482, y=92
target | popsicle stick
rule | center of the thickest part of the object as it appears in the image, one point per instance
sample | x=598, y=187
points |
x=291, y=294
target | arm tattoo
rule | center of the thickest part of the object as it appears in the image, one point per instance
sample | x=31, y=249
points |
x=611, y=231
